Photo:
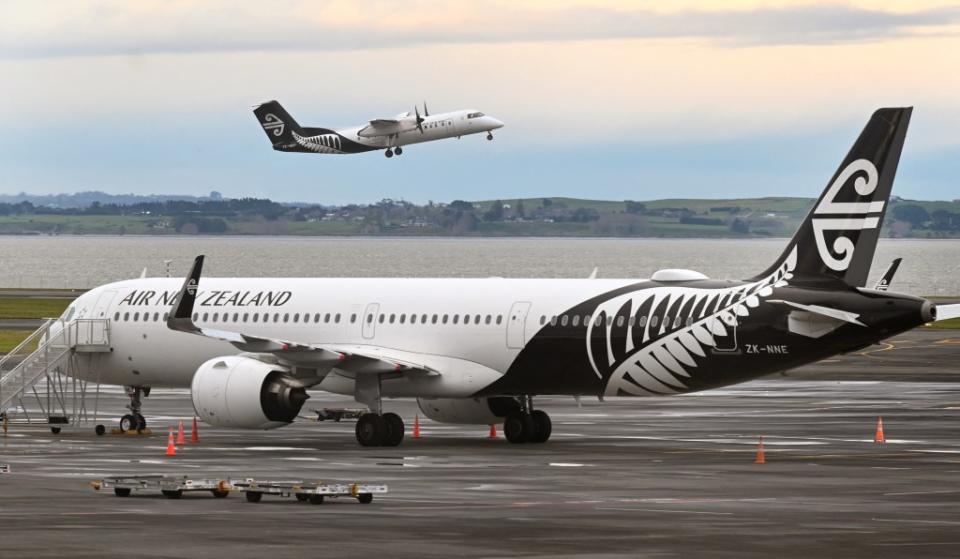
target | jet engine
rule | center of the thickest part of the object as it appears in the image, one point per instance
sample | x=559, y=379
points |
x=475, y=411
x=236, y=391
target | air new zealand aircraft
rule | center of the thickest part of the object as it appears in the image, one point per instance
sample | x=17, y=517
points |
x=479, y=350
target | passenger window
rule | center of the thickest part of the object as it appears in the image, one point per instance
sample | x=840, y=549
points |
x=326, y=318
x=337, y=318
x=246, y=316
x=392, y=318
x=499, y=319
x=653, y=322
x=434, y=319
x=166, y=316
x=643, y=321
x=563, y=320
x=196, y=316
x=256, y=316
x=620, y=321
x=423, y=319
x=553, y=321
x=296, y=317
x=487, y=321
x=116, y=317
x=586, y=319
x=676, y=322
x=476, y=319
x=276, y=317
x=456, y=317
x=403, y=318
x=236, y=316
x=413, y=318
x=316, y=318
x=286, y=316
x=543, y=320
x=632, y=320
x=353, y=318
x=156, y=316
x=576, y=320
x=215, y=315
x=689, y=320
x=382, y=318
x=444, y=319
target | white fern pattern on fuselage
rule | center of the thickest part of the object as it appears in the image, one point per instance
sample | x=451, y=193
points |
x=669, y=349
x=322, y=143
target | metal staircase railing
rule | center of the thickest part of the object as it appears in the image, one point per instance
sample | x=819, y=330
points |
x=53, y=359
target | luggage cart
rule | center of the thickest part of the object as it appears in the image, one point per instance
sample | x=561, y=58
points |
x=170, y=487
x=313, y=492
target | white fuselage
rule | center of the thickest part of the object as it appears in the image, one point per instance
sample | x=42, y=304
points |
x=481, y=321
x=435, y=127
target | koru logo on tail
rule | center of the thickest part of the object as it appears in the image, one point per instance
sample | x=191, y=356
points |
x=272, y=124
x=849, y=216
x=192, y=287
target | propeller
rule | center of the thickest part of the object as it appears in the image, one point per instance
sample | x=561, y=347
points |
x=425, y=111
x=420, y=119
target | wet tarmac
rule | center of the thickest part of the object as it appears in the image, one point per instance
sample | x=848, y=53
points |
x=670, y=477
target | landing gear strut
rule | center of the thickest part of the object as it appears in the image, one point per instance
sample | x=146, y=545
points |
x=375, y=428
x=527, y=425
x=134, y=421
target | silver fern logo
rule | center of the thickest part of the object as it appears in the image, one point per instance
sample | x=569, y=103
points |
x=837, y=256
x=273, y=124
x=655, y=351
x=321, y=143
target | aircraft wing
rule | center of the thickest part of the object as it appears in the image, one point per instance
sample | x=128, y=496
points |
x=348, y=359
x=946, y=312
x=835, y=314
x=386, y=127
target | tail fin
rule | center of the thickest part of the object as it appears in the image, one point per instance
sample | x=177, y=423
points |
x=838, y=238
x=277, y=123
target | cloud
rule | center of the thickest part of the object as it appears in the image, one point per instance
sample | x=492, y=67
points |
x=50, y=29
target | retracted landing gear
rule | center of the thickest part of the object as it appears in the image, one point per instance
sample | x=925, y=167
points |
x=375, y=428
x=527, y=425
x=134, y=421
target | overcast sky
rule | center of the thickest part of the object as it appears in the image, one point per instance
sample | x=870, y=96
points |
x=617, y=100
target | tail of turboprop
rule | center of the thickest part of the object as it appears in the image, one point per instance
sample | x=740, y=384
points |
x=837, y=240
x=278, y=124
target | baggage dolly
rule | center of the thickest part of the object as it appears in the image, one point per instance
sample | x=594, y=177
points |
x=314, y=492
x=170, y=487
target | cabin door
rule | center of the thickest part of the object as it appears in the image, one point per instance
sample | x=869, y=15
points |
x=516, y=324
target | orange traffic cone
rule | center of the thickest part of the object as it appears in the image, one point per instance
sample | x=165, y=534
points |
x=761, y=455
x=879, y=438
x=416, y=426
x=180, y=439
x=194, y=432
x=171, y=449
x=493, y=431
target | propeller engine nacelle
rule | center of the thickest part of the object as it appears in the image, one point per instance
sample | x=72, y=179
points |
x=236, y=391
x=472, y=411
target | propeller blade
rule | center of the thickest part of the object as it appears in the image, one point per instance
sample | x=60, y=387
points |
x=419, y=119
x=425, y=111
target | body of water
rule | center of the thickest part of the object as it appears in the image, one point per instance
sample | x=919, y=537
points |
x=930, y=267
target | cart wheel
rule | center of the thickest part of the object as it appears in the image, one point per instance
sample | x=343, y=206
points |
x=100, y=430
x=55, y=430
x=121, y=491
x=254, y=496
x=365, y=498
x=172, y=493
x=219, y=494
x=302, y=497
x=316, y=499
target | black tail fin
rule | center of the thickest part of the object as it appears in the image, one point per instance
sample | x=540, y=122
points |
x=278, y=124
x=838, y=238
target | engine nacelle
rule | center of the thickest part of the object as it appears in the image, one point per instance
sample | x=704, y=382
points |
x=236, y=391
x=473, y=411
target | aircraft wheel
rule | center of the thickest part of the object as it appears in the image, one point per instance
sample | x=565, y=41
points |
x=141, y=422
x=172, y=493
x=254, y=496
x=121, y=491
x=395, y=429
x=519, y=428
x=365, y=498
x=128, y=423
x=388, y=153
x=316, y=499
x=100, y=430
x=398, y=150
x=543, y=426
x=489, y=136
x=220, y=494
x=371, y=430
x=55, y=430
x=303, y=497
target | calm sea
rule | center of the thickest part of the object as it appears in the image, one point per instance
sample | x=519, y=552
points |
x=929, y=267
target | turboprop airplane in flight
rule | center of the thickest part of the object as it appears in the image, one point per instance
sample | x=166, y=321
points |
x=388, y=134
x=478, y=351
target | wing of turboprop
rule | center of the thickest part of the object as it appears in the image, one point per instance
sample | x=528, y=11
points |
x=827, y=312
x=347, y=359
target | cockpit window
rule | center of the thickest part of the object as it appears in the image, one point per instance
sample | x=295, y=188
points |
x=68, y=314
x=474, y=115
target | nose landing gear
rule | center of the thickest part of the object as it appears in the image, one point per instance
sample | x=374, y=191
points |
x=527, y=425
x=489, y=136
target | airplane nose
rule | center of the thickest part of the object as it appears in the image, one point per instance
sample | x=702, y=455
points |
x=494, y=123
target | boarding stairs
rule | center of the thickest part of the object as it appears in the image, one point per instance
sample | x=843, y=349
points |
x=44, y=379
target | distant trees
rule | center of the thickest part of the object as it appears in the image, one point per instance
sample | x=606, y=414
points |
x=635, y=207
x=495, y=213
x=913, y=214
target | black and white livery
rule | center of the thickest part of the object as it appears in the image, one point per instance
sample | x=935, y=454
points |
x=480, y=350
x=388, y=134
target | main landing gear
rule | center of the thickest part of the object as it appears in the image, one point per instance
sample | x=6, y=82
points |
x=527, y=425
x=390, y=151
x=134, y=421
x=375, y=428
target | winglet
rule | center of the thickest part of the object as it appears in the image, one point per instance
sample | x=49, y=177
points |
x=181, y=318
x=887, y=278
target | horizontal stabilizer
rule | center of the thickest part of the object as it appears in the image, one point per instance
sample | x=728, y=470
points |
x=836, y=314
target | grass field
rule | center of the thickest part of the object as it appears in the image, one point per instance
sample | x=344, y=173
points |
x=9, y=339
x=31, y=307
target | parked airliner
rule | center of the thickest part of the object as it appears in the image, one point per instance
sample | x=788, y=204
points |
x=479, y=350
x=388, y=134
